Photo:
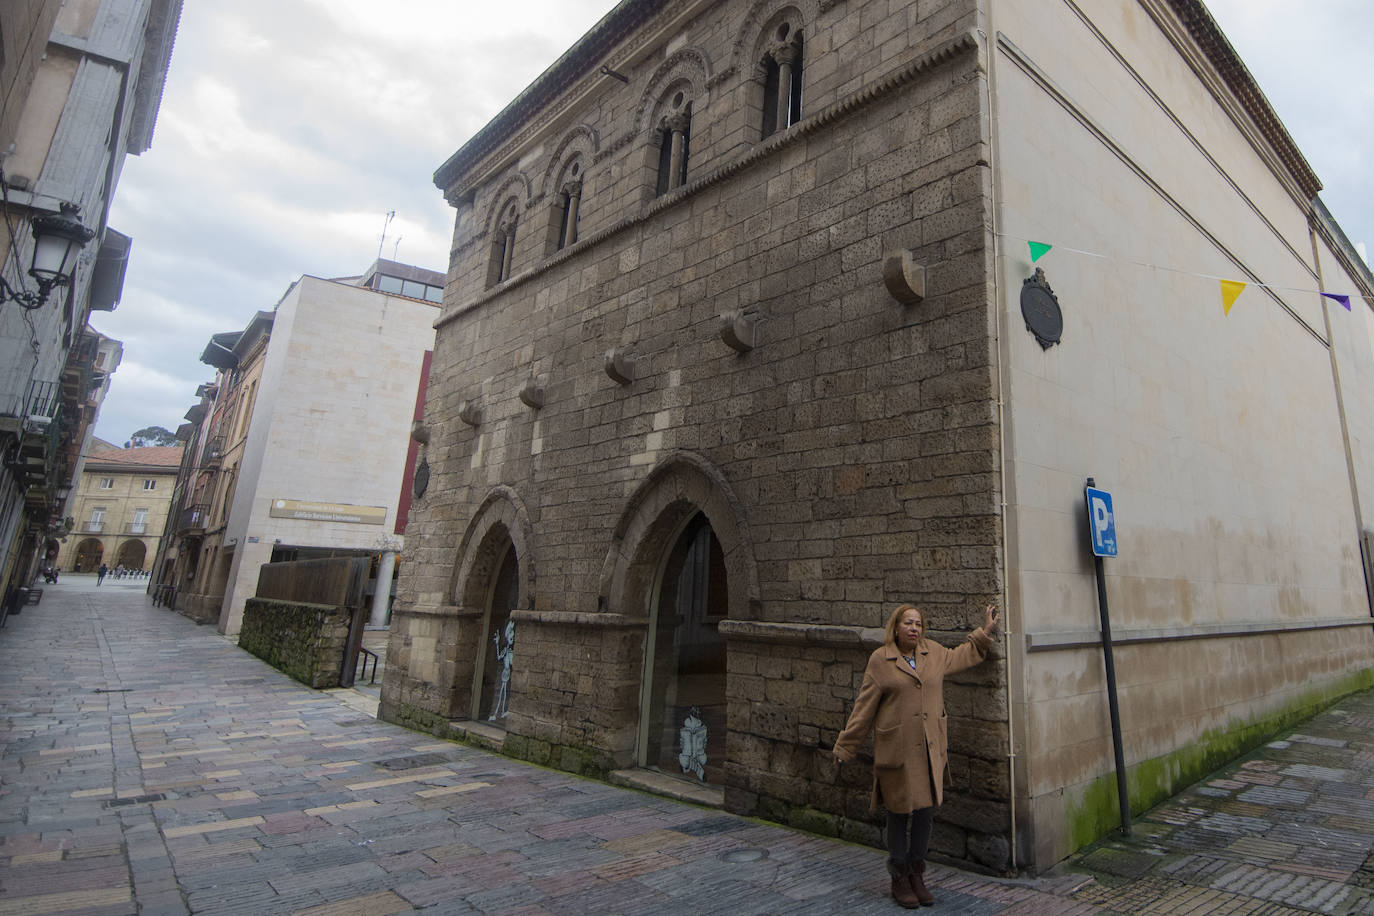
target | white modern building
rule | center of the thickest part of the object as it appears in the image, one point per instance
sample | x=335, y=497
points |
x=322, y=467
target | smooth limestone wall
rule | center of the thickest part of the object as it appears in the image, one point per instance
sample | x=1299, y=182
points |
x=331, y=423
x=1219, y=436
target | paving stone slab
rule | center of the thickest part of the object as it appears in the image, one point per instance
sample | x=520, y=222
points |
x=259, y=817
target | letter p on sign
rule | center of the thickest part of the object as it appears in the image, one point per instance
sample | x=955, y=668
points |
x=1101, y=521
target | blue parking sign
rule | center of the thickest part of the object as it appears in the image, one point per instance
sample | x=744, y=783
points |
x=1101, y=521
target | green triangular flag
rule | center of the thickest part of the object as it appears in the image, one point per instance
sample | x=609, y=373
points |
x=1038, y=250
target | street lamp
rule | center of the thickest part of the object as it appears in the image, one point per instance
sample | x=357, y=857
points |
x=58, y=239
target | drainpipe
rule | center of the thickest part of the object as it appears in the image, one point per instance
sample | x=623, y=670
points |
x=996, y=358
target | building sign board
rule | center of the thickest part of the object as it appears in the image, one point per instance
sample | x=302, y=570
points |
x=328, y=512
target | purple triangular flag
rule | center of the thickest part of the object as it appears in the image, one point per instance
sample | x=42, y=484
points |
x=1343, y=300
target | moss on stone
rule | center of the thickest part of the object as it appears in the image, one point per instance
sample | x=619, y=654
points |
x=414, y=718
x=582, y=761
x=1096, y=811
x=813, y=821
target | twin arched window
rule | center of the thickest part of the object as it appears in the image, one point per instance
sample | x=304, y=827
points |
x=782, y=82
x=568, y=205
x=782, y=107
x=503, y=246
x=674, y=145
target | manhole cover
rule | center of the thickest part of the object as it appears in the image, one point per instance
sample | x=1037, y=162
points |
x=740, y=856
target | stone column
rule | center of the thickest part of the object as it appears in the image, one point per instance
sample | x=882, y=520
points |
x=678, y=125
x=786, y=56
x=574, y=191
x=508, y=251
x=381, y=598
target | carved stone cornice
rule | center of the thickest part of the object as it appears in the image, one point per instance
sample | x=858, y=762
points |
x=958, y=46
x=1207, y=35
x=573, y=74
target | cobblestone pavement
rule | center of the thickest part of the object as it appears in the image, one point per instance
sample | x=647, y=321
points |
x=150, y=766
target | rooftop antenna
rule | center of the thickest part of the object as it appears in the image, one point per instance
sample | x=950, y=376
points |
x=390, y=215
x=396, y=247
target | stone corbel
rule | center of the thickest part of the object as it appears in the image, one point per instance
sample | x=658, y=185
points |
x=470, y=412
x=620, y=366
x=738, y=330
x=419, y=432
x=904, y=278
x=532, y=393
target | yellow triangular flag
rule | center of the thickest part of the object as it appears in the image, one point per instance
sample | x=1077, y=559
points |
x=1230, y=290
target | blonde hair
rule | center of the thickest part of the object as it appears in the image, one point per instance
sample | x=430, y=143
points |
x=890, y=630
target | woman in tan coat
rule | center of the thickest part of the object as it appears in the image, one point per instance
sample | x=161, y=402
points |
x=902, y=700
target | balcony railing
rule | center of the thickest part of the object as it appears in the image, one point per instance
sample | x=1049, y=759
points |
x=42, y=400
x=93, y=527
x=214, y=451
x=193, y=517
x=136, y=528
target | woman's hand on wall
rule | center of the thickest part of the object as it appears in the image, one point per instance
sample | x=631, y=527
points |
x=992, y=618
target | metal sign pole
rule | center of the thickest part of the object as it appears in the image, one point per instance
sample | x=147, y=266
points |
x=1121, y=793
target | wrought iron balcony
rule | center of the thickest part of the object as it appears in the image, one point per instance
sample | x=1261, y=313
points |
x=193, y=518
x=42, y=400
x=136, y=528
x=214, y=451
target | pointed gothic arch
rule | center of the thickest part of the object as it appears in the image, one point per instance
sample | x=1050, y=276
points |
x=678, y=487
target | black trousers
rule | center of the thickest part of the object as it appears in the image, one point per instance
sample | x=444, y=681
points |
x=908, y=838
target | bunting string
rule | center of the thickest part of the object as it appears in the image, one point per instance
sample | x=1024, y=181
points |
x=1230, y=289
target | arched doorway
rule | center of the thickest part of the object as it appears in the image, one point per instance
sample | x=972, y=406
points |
x=683, y=711
x=131, y=555
x=88, y=554
x=491, y=690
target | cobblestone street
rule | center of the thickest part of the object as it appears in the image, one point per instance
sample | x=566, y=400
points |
x=150, y=766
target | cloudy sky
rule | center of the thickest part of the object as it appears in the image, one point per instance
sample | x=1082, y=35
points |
x=289, y=128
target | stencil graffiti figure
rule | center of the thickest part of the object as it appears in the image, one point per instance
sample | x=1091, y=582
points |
x=504, y=656
x=692, y=739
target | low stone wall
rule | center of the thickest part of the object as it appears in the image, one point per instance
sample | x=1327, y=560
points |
x=306, y=641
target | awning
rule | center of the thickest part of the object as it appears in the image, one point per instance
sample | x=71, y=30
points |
x=107, y=277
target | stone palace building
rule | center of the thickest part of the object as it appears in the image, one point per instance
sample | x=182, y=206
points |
x=750, y=334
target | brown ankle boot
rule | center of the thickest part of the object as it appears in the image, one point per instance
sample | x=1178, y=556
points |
x=918, y=884
x=901, y=890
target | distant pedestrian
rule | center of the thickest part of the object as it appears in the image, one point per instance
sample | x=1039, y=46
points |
x=902, y=701
x=100, y=573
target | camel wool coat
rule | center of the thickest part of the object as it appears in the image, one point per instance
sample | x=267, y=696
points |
x=906, y=710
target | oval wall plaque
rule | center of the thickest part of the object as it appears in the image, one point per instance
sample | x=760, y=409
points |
x=1040, y=308
x=421, y=478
